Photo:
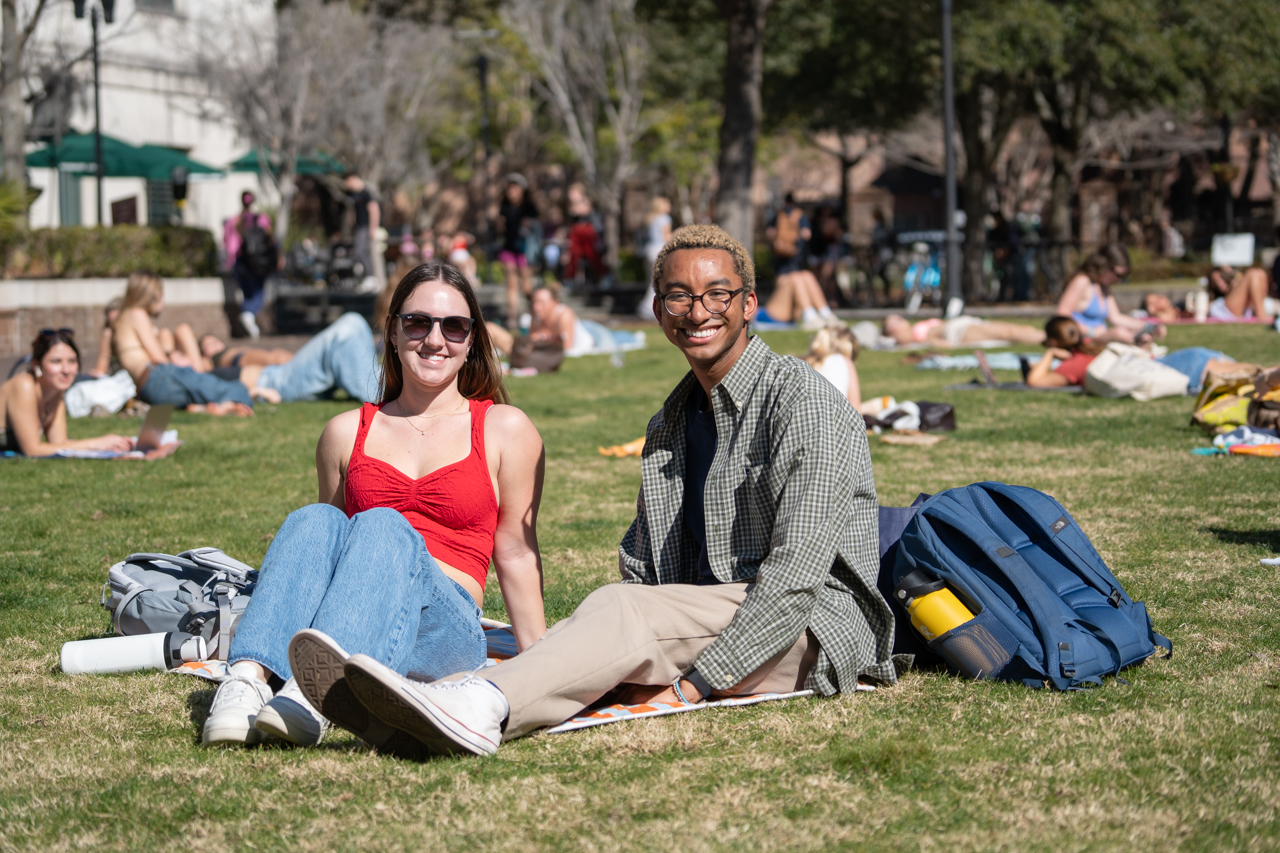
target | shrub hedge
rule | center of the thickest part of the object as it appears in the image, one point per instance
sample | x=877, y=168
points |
x=80, y=252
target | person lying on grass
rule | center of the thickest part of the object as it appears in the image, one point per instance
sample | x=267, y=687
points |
x=340, y=357
x=958, y=331
x=33, y=404
x=417, y=494
x=1065, y=340
x=750, y=566
x=158, y=378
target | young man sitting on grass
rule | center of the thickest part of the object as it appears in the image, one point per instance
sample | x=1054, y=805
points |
x=750, y=566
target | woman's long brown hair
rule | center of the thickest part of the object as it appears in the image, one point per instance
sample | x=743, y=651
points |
x=481, y=375
x=1065, y=333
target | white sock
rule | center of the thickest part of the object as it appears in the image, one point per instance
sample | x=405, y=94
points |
x=807, y=315
x=826, y=312
x=246, y=669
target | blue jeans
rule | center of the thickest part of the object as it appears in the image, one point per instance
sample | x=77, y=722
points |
x=182, y=386
x=1191, y=362
x=341, y=356
x=252, y=288
x=369, y=583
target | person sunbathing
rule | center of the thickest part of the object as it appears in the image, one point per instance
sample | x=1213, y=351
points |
x=33, y=404
x=1087, y=299
x=958, y=331
x=1065, y=341
x=417, y=494
x=1240, y=295
x=797, y=298
x=832, y=352
x=158, y=378
x=215, y=354
x=553, y=324
x=1161, y=307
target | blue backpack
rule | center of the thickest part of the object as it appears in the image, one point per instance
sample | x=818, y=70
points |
x=1046, y=607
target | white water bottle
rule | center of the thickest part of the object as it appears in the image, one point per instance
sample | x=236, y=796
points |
x=131, y=654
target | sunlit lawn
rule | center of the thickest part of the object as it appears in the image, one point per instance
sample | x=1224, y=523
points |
x=1185, y=757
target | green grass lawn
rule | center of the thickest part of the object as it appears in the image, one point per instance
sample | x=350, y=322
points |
x=1186, y=757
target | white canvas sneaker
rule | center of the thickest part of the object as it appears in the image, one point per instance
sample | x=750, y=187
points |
x=291, y=717
x=235, y=705
x=448, y=717
x=317, y=663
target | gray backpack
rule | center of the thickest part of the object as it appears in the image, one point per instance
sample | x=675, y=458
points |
x=201, y=592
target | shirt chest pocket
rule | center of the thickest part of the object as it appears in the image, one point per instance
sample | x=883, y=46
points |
x=753, y=514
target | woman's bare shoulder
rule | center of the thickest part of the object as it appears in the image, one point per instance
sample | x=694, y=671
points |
x=339, y=434
x=510, y=424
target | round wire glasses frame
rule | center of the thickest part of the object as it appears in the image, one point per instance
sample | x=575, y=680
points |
x=716, y=301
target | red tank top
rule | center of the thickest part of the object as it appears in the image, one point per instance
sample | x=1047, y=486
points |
x=453, y=507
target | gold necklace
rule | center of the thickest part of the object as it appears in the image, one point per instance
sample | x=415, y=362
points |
x=408, y=417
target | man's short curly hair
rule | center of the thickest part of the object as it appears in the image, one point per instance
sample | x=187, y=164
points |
x=708, y=237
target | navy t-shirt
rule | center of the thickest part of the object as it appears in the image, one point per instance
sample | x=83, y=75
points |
x=700, y=450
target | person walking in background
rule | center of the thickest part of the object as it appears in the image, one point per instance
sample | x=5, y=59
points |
x=252, y=255
x=368, y=221
x=585, y=228
x=516, y=217
x=789, y=232
x=657, y=233
x=826, y=247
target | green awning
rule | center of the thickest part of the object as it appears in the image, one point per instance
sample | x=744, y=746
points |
x=75, y=153
x=315, y=163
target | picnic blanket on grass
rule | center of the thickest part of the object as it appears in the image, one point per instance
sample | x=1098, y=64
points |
x=502, y=646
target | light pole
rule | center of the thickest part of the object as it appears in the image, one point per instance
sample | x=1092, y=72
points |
x=107, y=8
x=949, y=143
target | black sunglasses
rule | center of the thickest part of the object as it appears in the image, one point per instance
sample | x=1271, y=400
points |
x=418, y=326
x=64, y=332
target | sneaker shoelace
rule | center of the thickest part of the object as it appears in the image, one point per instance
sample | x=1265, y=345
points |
x=235, y=688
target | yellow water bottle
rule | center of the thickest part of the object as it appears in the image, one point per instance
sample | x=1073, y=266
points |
x=933, y=608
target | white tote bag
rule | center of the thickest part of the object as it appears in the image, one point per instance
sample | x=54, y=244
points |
x=1122, y=370
x=109, y=392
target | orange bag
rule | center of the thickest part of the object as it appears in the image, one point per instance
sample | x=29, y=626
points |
x=1256, y=450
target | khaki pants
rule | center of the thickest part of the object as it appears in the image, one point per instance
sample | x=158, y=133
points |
x=632, y=634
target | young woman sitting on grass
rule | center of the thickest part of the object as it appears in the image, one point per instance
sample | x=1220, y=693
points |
x=160, y=378
x=417, y=494
x=1087, y=299
x=1240, y=295
x=1066, y=341
x=832, y=352
x=35, y=412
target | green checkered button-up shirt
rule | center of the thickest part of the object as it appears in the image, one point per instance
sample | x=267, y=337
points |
x=790, y=504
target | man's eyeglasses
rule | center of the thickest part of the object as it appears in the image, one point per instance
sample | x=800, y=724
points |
x=418, y=326
x=716, y=301
x=63, y=332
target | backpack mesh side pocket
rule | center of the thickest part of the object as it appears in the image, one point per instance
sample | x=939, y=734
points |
x=978, y=649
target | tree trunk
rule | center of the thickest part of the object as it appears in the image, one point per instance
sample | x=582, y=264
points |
x=1273, y=166
x=974, y=249
x=13, y=114
x=288, y=185
x=611, y=213
x=740, y=128
x=1060, y=230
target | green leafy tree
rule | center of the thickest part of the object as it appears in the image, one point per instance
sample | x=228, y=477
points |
x=1230, y=54
x=853, y=67
x=1093, y=59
